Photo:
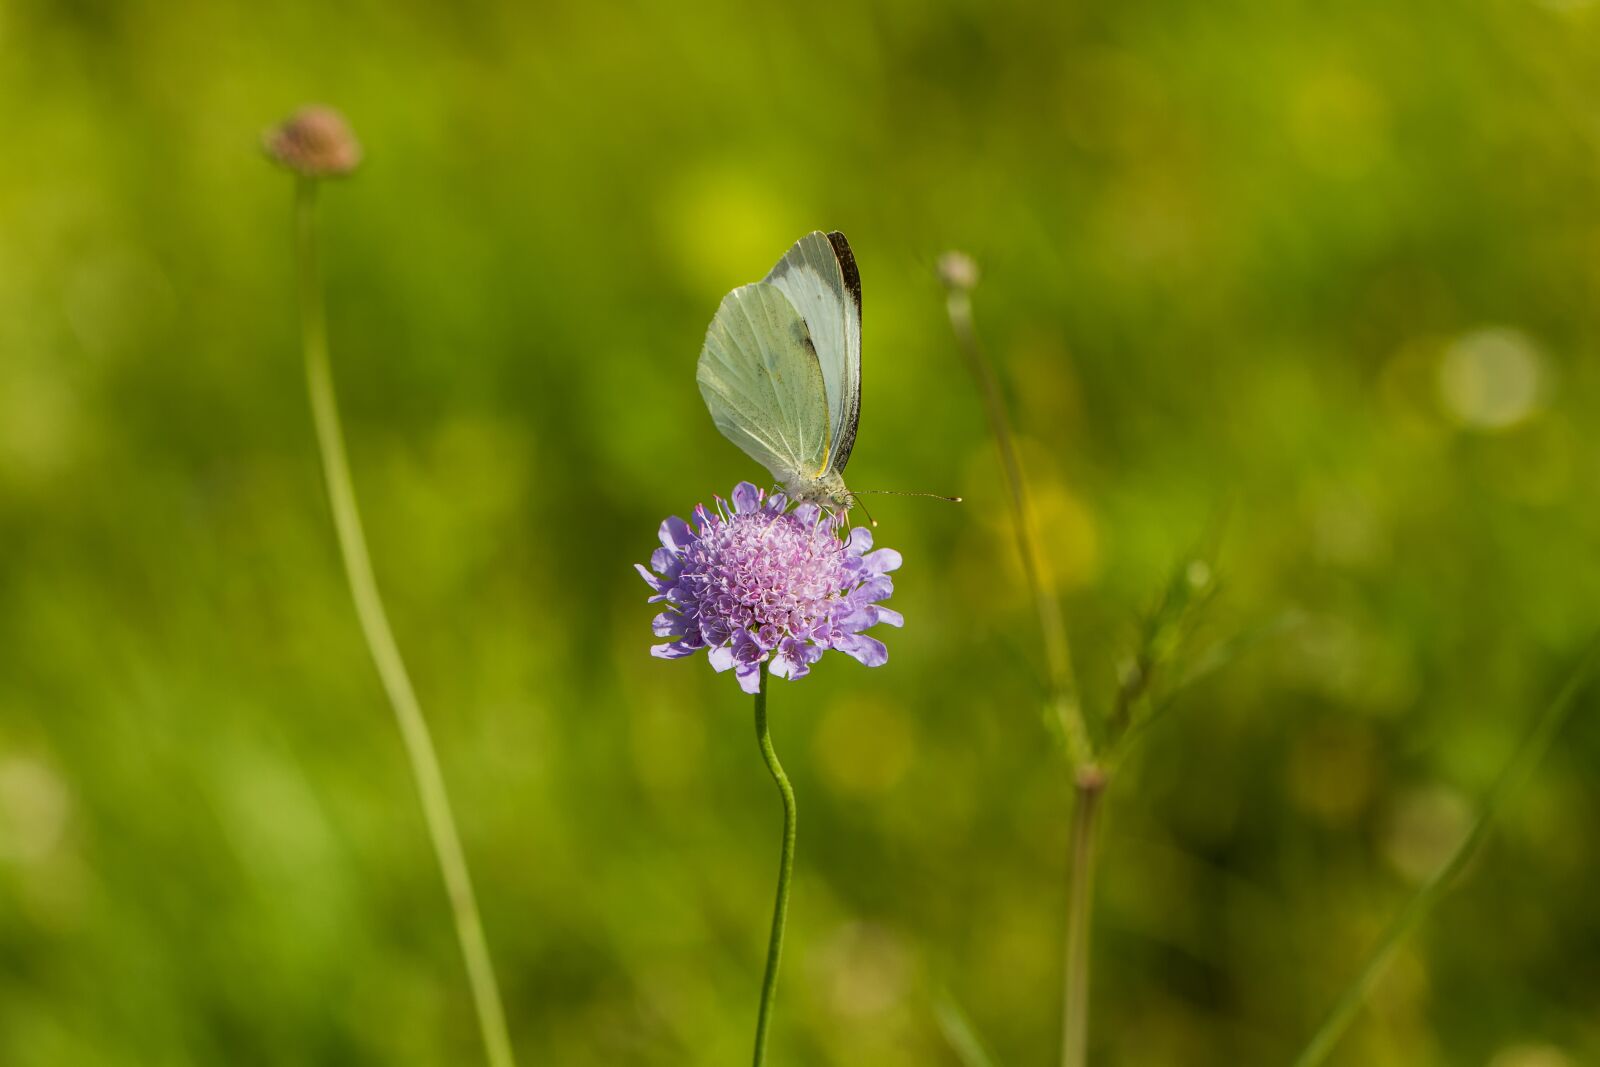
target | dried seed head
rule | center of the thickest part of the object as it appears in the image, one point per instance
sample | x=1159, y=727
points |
x=958, y=270
x=315, y=142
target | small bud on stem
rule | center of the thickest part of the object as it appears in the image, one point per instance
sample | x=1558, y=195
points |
x=958, y=271
x=315, y=142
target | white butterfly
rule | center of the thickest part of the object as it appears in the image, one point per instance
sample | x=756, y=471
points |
x=781, y=368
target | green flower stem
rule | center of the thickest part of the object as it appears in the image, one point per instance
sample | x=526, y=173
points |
x=780, y=908
x=381, y=643
x=1534, y=745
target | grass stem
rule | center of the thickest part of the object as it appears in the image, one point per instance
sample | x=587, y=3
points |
x=1090, y=779
x=381, y=643
x=1515, y=774
x=1052, y=627
x=1090, y=786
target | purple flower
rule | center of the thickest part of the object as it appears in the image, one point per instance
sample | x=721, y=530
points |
x=752, y=583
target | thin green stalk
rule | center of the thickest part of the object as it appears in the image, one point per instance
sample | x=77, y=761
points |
x=381, y=643
x=1090, y=778
x=1058, y=653
x=1080, y=899
x=959, y=1033
x=780, y=908
x=1512, y=778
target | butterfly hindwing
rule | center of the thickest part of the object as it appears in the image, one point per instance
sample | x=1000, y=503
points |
x=819, y=277
x=761, y=379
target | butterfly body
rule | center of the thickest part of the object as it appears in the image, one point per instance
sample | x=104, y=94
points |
x=780, y=370
x=829, y=490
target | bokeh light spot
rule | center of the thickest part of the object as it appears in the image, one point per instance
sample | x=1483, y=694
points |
x=1423, y=830
x=34, y=808
x=1492, y=378
x=1530, y=1056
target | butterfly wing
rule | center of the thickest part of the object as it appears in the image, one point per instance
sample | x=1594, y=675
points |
x=819, y=277
x=761, y=380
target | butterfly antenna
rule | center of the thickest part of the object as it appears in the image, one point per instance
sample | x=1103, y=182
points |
x=855, y=498
x=909, y=492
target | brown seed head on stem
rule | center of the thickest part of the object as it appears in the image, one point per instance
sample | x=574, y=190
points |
x=315, y=142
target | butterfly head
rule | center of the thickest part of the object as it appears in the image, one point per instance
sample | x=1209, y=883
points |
x=827, y=490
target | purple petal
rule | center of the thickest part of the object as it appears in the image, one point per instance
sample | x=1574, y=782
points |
x=777, y=502
x=714, y=630
x=746, y=498
x=673, y=650
x=669, y=624
x=747, y=649
x=675, y=533
x=890, y=616
x=655, y=583
x=859, y=619
x=807, y=513
x=860, y=541
x=882, y=561
x=666, y=562
x=866, y=649
x=749, y=677
x=794, y=658
x=878, y=587
x=722, y=658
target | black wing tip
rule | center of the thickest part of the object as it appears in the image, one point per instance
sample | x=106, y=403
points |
x=847, y=266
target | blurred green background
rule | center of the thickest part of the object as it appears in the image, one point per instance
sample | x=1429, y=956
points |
x=1324, y=275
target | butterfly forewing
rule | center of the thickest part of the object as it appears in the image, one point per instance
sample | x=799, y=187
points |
x=761, y=379
x=819, y=277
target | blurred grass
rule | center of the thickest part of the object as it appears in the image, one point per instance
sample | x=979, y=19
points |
x=1335, y=266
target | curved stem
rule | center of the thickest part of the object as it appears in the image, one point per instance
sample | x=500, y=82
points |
x=381, y=643
x=1512, y=777
x=780, y=908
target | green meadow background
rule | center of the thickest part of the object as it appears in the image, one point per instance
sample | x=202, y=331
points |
x=1317, y=284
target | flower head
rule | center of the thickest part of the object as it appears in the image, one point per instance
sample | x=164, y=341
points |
x=754, y=583
x=315, y=142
